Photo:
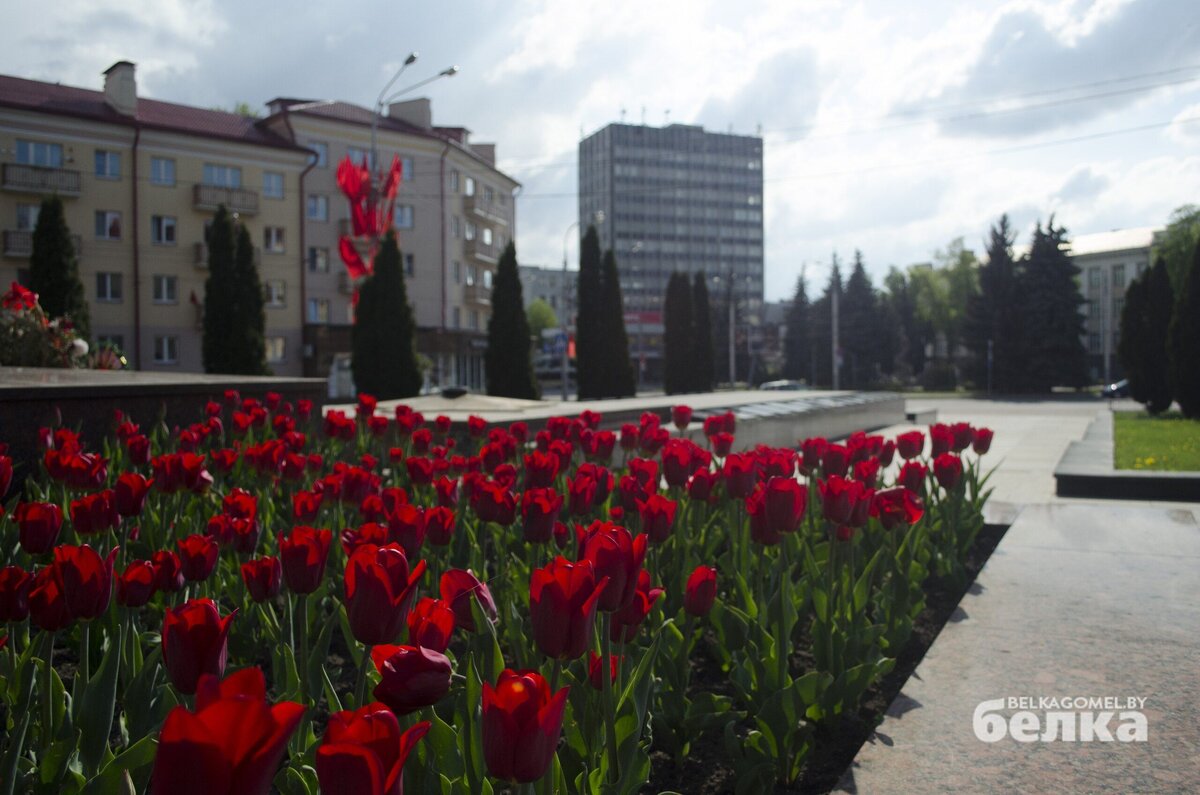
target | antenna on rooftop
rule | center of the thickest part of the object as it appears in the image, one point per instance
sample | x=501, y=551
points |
x=622, y=114
x=667, y=116
x=643, y=115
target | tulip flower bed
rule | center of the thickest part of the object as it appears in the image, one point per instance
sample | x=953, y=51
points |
x=272, y=600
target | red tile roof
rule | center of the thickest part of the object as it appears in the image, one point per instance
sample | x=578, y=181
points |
x=55, y=98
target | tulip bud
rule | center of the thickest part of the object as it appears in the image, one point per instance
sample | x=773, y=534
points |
x=411, y=677
x=701, y=591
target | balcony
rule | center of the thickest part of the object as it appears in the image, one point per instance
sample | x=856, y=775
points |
x=200, y=256
x=478, y=294
x=236, y=200
x=41, y=179
x=19, y=243
x=479, y=250
x=489, y=212
x=345, y=283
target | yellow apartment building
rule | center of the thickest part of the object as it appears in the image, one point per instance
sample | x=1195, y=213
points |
x=140, y=180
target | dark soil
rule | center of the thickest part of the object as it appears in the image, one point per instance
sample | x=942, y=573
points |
x=705, y=771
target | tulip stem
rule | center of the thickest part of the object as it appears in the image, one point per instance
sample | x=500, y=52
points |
x=302, y=647
x=610, y=717
x=85, y=665
x=360, y=688
x=47, y=699
x=785, y=641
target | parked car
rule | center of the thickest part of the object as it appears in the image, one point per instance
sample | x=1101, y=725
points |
x=1118, y=390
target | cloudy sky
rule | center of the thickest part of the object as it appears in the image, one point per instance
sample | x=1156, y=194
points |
x=890, y=127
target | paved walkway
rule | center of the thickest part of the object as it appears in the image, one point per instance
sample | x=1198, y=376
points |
x=1081, y=599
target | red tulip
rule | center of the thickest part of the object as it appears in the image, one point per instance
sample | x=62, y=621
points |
x=700, y=485
x=15, y=585
x=95, y=513
x=262, y=577
x=784, y=501
x=912, y=476
x=406, y=527
x=658, y=516
x=615, y=554
x=761, y=530
x=721, y=443
x=562, y=603
x=194, y=642
x=168, y=571
x=835, y=460
x=964, y=436
x=457, y=587
x=439, y=525
x=47, y=606
x=581, y=493
x=135, y=585
x=679, y=460
x=539, y=511
x=131, y=491
x=701, y=591
x=596, y=665
x=627, y=620
x=948, y=470
x=522, y=722
x=681, y=416
x=840, y=499
x=231, y=745
x=363, y=752
x=982, y=443
x=740, y=476
x=896, y=507
x=430, y=624
x=86, y=579
x=38, y=523
x=411, y=677
x=812, y=450
x=303, y=554
x=941, y=439
x=379, y=590
x=6, y=473
x=867, y=471
x=910, y=445
x=197, y=557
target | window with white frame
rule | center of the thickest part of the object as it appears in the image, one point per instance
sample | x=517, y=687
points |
x=222, y=176
x=1095, y=277
x=469, y=231
x=272, y=185
x=318, y=259
x=457, y=272
x=273, y=239
x=406, y=169
x=276, y=346
x=166, y=349
x=162, y=230
x=318, y=310
x=455, y=227
x=162, y=171
x=108, y=225
x=108, y=287
x=321, y=153
x=470, y=191
x=165, y=291
x=317, y=208
x=487, y=236
x=474, y=320
x=471, y=275
x=39, y=153
x=410, y=265
x=275, y=292
x=403, y=216
x=489, y=195
x=108, y=164
x=358, y=156
x=1118, y=277
x=454, y=178
x=27, y=215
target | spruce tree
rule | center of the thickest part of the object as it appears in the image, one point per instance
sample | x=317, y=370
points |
x=1142, y=350
x=797, y=346
x=702, y=338
x=910, y=343
x=618, y=379
x=822, y=326
x=860, y=332
x=219, y=347
x=994, y=315
x=383, y=340
x=677, y=335
x=248, y=346
x=1052, y=324
x=54, y=269
x=589, y=342
x=508, y=363
x=1183, y=340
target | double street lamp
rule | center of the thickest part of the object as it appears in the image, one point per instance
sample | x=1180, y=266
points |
x=385, y=99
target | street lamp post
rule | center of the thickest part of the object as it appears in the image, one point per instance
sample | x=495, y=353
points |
x=385, y=98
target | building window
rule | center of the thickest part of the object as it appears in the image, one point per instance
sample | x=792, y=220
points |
x=39, y=153
x=487, y=236
x=1094, y=278
x=108, y=164
x=454, y=181
x=1118, y=307
x=162, y=171
x=489, y=195
x=162, y=230
x=358, y=156
x=318, y=208
x=27, y=215
x=457, y=272
x=275, y=292
x=469, y=232
x=403, y=216
x=471, y=271
x=276, y=346
x=108, y=225
x=1118, y=277
x=1093, y=343
x=272, y=184
x=474, y=320
x=108, y=287
x=406, y=169
x=457, y=317
x=273, y=239
x=318, y=310
x=1141, y=268
x=410, y=265
x=166, y=349
x=455, y=227
x=222, y=176
x=1093, y=310
x=318, y=260
x=320, y=153
x=164, y=289
x=470, y=186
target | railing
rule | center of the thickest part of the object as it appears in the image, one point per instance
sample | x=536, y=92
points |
x=236, y=200
x=479, y=250
x=477, y=294
x=41, y=179
x=19, y=243
x=488, y=211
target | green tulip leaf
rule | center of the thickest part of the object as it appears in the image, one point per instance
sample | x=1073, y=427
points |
x=112, y=776
x=99, y=703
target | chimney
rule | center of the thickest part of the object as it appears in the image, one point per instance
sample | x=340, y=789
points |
x=417, y=112
x=486, y=151
x=120, y=88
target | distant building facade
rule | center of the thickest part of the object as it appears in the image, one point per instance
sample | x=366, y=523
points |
x=556, y=287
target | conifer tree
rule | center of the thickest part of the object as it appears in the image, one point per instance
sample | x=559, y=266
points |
x=383, y=340
x=247, y=337
x=797, y=345
x=1145, y=324
x=54, y=268
x=618, y=379
x=589, y=342
x=702, y=341
x=220, y=297
x=994, y=315
x=508, y=363
x=1052, y=325
x=677, y=335
x=860, y=332
x=1183, y=341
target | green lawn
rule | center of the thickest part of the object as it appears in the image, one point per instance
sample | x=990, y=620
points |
x=1165, y=442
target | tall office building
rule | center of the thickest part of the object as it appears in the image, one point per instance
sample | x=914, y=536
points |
x=676, y=198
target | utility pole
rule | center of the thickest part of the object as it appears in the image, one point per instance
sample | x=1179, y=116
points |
x=836, y=346
x=732, y=336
